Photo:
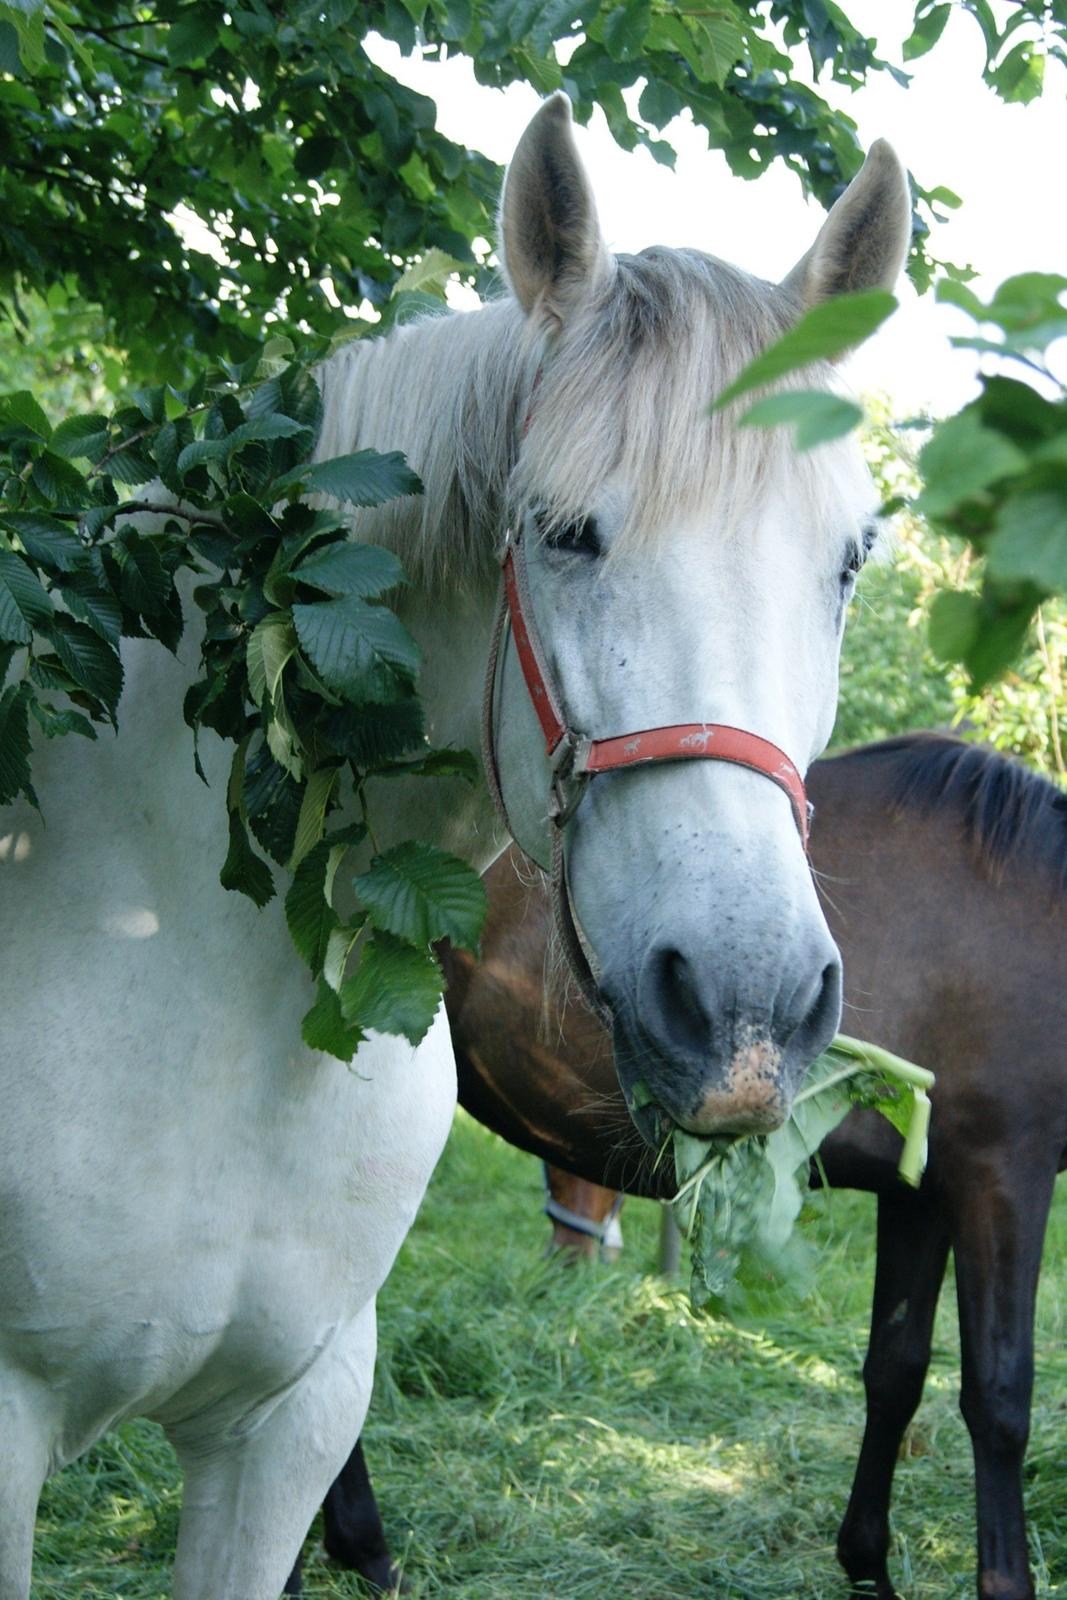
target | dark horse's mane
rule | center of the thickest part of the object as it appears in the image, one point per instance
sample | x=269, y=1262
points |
x=1007, y=810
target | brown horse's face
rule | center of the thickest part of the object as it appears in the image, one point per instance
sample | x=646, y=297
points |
x=678, y=576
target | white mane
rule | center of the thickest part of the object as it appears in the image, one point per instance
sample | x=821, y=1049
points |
x=624, y=388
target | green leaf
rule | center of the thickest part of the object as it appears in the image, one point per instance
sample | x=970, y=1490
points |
x=271, y=645
x=15, y=743
x=81, y=438
x=192, y=37
x=362, y=651
x=395, y=989
x=271, y=802
x=962, y=458
x=283, y=740
x=308, y=912
x=28, y=22
x=144, y=581
x=422, y=894
x=131, y=466
x=434, y=764
x=926, y=32
x=24, y=605
x=87, y=601
x=243, y=870
x=311, y=823
x=22, y=409
x=324, y=1028
x=1020, y=77
x=952, y=292
x=720, y=43
x=431, y=271
x=45, y=540
x=47, y=673
x=58, y=481
x=377, y=733
x=338, y=949
x=824, y=333
x=54, y=723
x=93, y=665
x=818, y=416
x=201, y=450
x=1028, y=298
x=1029, y=542
x=348, y=567
x=363, y=479
x=624, y=26
x=954, y=621
x=268, y=426
x=998, y=641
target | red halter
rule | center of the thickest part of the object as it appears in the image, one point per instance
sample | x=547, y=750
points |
x=576, y=759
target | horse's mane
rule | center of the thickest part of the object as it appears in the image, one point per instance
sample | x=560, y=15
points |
x=1007, y=809
x=622, y=388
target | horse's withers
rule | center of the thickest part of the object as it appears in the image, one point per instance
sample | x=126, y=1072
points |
x=680, y=571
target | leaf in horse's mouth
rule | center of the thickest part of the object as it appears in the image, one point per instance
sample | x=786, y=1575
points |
x=739, y=1196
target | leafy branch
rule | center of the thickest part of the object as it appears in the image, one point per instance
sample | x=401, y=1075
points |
x=304, y=669
x=993, y=475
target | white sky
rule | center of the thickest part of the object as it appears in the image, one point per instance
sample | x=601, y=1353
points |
x=1006, y=162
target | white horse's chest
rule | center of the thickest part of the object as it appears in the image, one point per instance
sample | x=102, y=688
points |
x=193, y=1202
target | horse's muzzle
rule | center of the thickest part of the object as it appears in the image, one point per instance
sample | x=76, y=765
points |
x=712, y=1064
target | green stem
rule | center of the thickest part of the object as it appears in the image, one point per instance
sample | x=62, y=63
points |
x=828, y=1083
x=885, y=1061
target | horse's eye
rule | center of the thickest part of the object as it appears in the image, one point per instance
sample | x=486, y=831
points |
x=580, y=537
x=853, y=562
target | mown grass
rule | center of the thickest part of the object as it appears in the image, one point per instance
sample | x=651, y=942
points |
x=541, y=1433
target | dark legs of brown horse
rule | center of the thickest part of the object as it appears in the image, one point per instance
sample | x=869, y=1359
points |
x=998, y=1259
x=353, y=1532
x=912, y=1250
x=997, y=1227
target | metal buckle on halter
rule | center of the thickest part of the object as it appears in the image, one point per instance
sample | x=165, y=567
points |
x=569, y=780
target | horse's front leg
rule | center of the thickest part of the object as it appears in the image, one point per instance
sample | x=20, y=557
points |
x=998, y=1233
x=912, y=1250
x=251, y=1490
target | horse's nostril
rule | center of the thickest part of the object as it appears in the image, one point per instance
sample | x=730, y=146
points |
x=824, y=1013
x=676, y=1005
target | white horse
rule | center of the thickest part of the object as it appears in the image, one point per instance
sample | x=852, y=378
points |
x=196, y=1212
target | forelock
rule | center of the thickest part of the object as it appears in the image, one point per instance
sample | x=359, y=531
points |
x=626, y=388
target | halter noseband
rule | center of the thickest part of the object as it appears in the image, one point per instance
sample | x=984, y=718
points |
x=576, y=759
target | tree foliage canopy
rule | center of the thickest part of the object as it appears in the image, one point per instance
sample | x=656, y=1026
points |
x=319, y=175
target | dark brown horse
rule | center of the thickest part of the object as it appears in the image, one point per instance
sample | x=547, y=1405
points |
x=942, y=869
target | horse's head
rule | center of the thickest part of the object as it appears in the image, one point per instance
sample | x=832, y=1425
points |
x=680, y=570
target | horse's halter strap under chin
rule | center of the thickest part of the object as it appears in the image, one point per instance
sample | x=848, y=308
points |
x=576, y=759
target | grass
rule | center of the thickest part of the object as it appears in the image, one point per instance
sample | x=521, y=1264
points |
x=545, y=1433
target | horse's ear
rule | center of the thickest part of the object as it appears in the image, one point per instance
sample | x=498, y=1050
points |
x=553, y=252
x=864, y=240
